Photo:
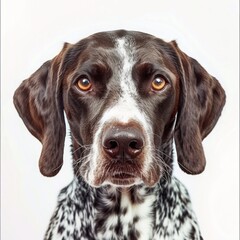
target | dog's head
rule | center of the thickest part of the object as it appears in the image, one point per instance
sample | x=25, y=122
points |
x=126, y=95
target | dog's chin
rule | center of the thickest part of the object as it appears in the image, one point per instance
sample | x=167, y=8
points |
x=122, y=176
x=122, y=180
x=119, y=179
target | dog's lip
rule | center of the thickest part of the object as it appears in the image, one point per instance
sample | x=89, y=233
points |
x=122, y=178
x=119, y=179
x=123, y=175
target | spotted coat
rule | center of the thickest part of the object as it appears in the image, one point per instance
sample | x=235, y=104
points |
x=163, y=212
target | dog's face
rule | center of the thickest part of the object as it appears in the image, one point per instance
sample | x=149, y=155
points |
x=125, y=95
x=118, y=100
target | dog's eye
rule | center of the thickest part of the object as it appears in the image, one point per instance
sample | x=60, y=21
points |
x=84, y=84
x=158, y=83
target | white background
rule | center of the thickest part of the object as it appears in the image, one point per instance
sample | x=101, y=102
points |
x=34, y=31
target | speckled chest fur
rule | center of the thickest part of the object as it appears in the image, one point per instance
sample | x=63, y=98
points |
x=162, y=212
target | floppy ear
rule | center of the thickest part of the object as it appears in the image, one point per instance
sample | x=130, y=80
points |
x=39, y=103
x=201, y=101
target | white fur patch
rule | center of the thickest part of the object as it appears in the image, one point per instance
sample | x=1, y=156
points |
x=142, y=211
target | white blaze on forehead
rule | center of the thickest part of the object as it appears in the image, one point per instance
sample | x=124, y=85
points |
x=126, y=107
x=124, y=49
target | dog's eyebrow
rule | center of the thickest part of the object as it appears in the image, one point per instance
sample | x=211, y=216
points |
x=146, y=69
x=94, y=69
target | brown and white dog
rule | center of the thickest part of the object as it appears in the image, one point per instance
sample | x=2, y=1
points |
x=127, y=95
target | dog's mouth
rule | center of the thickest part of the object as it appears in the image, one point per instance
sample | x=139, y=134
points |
x=118, y=176
x=123, y=175
x=125, y=178
x=122, y=178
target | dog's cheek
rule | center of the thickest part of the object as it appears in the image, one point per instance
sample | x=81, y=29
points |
x=153, y=175
x=91, y=159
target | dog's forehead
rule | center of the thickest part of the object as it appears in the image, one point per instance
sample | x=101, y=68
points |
x=112, y=48
x=108, y=39
x=134, y=43
x=116, y=47
x=120, y=52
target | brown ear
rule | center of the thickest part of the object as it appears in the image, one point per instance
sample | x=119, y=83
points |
x=38, y=101
x=201, y=101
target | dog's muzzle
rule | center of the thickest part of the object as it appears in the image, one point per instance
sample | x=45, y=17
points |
x=122, y=148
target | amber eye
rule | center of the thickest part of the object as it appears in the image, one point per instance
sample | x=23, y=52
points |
x=158, y=83
x=84, y=84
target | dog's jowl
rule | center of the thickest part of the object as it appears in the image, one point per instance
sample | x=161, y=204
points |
x=126, y=96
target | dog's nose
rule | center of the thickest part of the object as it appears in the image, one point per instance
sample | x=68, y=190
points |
x=122, y=142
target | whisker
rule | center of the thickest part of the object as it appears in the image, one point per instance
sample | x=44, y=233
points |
x=85, y=147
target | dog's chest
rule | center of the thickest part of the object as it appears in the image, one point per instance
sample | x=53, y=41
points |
x=129, y=218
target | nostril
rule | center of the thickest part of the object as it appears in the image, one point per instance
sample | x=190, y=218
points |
x=135, y=144
x=111, y=147
x=111, y=144
x=135, y=148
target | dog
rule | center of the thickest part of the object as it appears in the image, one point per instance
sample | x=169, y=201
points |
x=128, y=97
